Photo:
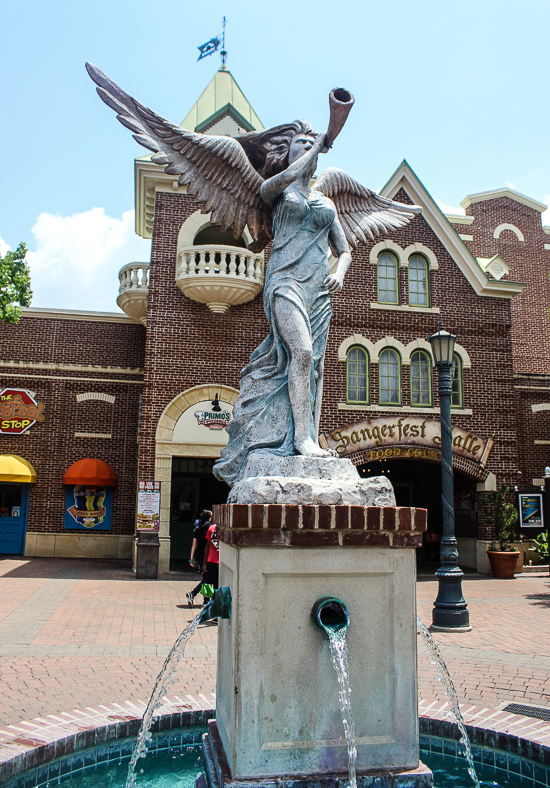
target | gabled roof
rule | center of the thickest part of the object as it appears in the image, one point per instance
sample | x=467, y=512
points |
x=404, y=178
x=221, y=96
x=222, y=108
x=496, y=194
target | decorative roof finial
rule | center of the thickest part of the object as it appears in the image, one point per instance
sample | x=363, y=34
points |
x=223, y=53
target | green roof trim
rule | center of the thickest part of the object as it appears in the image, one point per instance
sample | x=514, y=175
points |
x=229, y=109
x=221, y=91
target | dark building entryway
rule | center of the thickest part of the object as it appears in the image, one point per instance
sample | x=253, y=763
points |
x=194, y=488
x=417, y=483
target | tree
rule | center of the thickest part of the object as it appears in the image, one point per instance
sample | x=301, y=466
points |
x=15, y=284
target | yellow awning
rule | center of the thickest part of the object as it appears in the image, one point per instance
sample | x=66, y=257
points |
x=15, y=469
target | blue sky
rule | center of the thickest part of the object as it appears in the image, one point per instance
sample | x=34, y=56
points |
x=459, y=90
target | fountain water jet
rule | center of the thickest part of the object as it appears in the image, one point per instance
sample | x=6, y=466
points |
x=331, y=616
x=218, y=607
x=450, y=692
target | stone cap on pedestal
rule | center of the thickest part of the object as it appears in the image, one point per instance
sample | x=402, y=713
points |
x=288, y=525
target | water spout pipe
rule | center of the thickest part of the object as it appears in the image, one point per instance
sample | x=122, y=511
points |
x=329, y=614
x=218, y=607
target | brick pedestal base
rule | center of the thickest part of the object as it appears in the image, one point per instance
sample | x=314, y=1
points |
x=278, y=720
x=280, y=525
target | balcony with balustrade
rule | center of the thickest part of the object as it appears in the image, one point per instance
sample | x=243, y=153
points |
x=219, y=276
x=133, y=290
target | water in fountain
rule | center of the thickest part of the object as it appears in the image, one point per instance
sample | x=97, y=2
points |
x=339, y=654
x=450, y=692
x=164, y=679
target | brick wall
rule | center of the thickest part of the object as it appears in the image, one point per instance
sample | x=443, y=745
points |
x=530, y=333
x=530, y=263
x=51, y=446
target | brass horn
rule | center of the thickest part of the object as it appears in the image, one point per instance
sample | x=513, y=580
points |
x=340, y=102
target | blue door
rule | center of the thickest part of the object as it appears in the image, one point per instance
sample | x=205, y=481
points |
x=14, y=504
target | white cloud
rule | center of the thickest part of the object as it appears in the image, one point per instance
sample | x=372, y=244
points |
x=450, y=209
x=77, y=259
x=4, y=247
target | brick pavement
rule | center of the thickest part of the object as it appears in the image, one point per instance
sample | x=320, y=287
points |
x=77, y=633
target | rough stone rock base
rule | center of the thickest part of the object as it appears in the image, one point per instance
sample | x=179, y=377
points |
x=308, y=480
x=217, y=773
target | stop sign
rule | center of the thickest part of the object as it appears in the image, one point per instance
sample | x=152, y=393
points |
x=19, y=411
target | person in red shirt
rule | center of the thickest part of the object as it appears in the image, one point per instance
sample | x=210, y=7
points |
x=211, y=563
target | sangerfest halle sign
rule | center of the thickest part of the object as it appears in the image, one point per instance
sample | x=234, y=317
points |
x=375, y=436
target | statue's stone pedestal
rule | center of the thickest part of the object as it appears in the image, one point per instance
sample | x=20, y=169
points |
x=308, y=480
x=277, y=714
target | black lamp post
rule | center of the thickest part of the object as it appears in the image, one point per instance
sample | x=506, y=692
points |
x=450, y=609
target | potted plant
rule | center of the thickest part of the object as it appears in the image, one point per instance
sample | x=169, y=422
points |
x=503, y=516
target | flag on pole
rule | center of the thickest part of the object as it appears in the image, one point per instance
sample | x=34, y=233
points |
x=209, y=48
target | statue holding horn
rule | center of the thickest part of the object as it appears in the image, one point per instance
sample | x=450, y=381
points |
x=263, y=180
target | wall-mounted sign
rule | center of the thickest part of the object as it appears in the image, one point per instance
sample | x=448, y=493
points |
x=19, y=411
x=213, y=420
x=373, y=435
x=88, y=507
x=530, y=510
x=148, y=510
x=201, y=424
x=403, y=452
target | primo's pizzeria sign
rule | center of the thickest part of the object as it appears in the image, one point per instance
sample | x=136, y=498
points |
x=19, y=411
x=407, y=437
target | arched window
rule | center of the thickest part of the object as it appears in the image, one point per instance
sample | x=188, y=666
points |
x=419, y=291
x=212, y=235
x=421, y=378
x=389, y=378
x=357, y=375
x=457, y=383
x=388, y=282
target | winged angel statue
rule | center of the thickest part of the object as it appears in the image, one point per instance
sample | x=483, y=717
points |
x=263, y=180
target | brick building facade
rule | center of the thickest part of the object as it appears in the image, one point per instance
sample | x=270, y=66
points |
x=132, y=391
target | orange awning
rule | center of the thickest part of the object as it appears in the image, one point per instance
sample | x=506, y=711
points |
x=14, y=468
x=90, y=471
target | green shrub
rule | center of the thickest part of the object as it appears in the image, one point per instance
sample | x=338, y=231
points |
x=502, y=515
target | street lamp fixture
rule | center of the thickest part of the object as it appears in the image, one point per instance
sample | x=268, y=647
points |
x=450, y=611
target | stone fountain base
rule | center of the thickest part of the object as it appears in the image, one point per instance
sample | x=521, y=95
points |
x=217, y=773
x=278, y=721
x=269, y=479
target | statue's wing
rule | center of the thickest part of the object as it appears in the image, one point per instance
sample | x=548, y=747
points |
x=363, y=214
x=216, y=169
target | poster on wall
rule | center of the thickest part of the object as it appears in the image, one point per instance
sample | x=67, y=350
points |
x=530, y=510
x=88, y=507
x=148, y=510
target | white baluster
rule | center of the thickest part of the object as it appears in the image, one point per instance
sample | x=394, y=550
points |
x=232, y=264
x=241, y=268
x=145, y=280
x=134, y=277
x=202, y=263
